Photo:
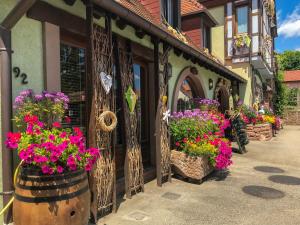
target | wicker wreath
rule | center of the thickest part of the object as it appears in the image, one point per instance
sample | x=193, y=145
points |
x=107, y=116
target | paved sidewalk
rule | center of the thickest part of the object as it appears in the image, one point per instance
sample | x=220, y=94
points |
x=262, y=188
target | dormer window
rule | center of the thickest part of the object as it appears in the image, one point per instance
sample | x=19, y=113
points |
x=206, y=37
x=170, y=12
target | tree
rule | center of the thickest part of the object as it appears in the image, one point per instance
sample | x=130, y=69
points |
x=289, y=60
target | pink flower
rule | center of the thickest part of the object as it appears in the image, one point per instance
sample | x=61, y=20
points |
x=52, y=137
x=31, y=119
x=94, y=151
x=59, y=169
x=88, y=167
x=63, y=134
x=12, y=140
x=77, y=131
x=71, y=163
x=47, y=170
x=177, y=144
x=56, y=125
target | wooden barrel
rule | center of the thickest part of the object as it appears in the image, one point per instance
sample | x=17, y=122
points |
x=51, y=199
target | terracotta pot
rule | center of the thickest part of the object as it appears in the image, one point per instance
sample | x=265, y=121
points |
x=195, y=168
x=51, y=199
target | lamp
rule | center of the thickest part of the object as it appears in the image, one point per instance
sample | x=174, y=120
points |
x=210, y=84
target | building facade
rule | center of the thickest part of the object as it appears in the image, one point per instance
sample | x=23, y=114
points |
x=162, y=49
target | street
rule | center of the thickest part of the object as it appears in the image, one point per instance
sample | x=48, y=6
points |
x=261, y=188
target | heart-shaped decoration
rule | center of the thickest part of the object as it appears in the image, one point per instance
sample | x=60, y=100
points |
x=106, y=81
x=131, y=98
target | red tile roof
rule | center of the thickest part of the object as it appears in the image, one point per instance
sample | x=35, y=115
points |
x=190, y=7
x=292, y=75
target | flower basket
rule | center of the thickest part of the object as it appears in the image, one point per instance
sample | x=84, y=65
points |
x=62, y=199
x=195, y=168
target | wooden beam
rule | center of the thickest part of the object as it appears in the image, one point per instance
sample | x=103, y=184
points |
x=45, y=12
x=16, y=13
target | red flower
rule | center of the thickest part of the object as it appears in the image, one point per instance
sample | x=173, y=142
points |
x=184, y=140
x=177, y=144
x=56, y=125
x=198, y=139
x=68, y=119
x=31, y=119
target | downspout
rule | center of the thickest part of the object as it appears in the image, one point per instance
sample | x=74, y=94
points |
x=6, y=97
x=6, y=115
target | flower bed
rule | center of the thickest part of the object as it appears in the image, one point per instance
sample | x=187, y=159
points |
x=200, y=143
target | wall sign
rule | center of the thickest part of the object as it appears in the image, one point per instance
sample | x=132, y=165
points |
x=18, y=74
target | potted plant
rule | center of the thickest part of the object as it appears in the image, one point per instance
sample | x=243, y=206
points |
x=207, y=104
x=52, y=184
x=241, y=43
x=200, y=144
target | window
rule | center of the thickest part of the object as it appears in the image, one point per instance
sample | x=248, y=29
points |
x=242, y=19
x=170, y=12
x=186, y=96
x=72, y=63
x=206, y=38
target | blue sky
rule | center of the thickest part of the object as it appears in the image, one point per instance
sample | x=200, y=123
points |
x=288, y=19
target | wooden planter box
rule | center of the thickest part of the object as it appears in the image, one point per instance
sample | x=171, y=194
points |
x=195, y=168
x=259, y=132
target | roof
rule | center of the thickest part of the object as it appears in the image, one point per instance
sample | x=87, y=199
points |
x=190, y=7
x=292, y=75
x=137, y=8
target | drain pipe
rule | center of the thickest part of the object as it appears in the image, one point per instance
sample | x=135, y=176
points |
x=6, y=115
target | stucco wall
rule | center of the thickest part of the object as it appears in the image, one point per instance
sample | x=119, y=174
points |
x=179, y=64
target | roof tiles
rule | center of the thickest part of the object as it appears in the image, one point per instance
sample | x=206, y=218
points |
x=292, y=75
x=190, y=7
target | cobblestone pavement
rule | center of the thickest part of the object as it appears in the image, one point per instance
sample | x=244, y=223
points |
x=261, y=188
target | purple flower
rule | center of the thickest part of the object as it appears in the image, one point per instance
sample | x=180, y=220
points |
x=26, y=93
x=39, y=97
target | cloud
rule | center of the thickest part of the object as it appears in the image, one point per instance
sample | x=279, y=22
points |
x=290, y=26
x=297, y=49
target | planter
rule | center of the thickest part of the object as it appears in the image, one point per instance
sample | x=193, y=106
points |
x=259, y=132
x=51, y=199
x=195, y=168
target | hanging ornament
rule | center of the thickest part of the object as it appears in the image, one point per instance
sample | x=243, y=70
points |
x=164, y=99
x=166, y=116
x=106, y=81
x=131, y=98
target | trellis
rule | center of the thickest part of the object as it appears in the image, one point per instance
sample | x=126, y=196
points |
x=134, y=178
x=103, y=176
x=164, y=153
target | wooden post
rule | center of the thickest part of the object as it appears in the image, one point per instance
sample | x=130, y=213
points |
x=89, y=67
x=157, y=116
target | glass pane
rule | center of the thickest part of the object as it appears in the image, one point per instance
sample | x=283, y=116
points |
x=242, y=19
x=185, y=96
x=72, y=63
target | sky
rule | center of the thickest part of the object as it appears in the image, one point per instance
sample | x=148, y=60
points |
x=288, y=20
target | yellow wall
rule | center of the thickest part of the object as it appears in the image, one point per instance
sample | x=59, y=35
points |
x=218, y=49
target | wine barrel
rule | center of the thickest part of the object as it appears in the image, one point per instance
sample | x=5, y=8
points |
x=51, y=199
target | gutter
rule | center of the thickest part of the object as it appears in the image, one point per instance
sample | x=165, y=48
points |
x=124, y=13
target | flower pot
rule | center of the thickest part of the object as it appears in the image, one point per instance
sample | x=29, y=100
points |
x=51, y=199
x=195, y=168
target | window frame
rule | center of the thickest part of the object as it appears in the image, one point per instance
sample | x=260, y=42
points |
x=171, y=9
x=206, y=36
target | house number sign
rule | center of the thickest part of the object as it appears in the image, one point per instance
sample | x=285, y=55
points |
x=18, y=74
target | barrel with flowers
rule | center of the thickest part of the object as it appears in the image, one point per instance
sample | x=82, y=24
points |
x=52, y=185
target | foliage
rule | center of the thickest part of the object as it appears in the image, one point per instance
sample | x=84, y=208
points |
x=211, y=104
x=279, y=99
x=201, y=134
x=242, y=40
x=292, y=94
x=52, y=150
x=289, y=60
x=47, y=106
